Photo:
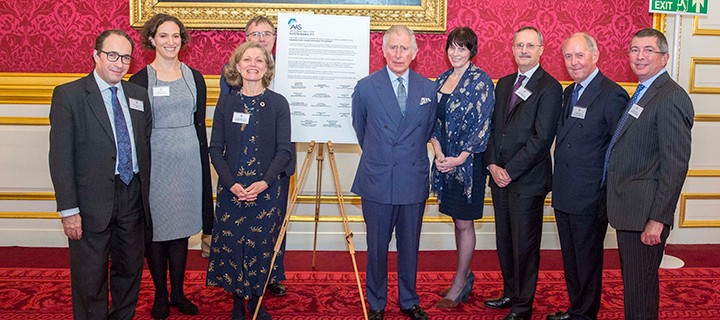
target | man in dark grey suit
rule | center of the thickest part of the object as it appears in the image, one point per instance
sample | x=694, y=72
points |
x=393, y=112
x=592, y=106
x=645, y=168
x=527, y=108
x=100, y=168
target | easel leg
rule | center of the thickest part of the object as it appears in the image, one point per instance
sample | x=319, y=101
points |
x=346, y=225
x=283, y=229
x=318, y=193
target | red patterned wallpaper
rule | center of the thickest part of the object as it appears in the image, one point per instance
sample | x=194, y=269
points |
x=57, y=36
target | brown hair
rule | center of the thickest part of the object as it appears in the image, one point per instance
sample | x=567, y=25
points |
x=150, y=27
x=232, y=75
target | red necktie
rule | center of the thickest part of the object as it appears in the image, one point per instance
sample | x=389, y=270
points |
x=513, y=95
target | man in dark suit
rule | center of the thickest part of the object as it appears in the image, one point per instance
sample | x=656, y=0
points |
x=592, y=106
x=645, y=168
x=100, y=168
x=527, y=108
x=393, y=112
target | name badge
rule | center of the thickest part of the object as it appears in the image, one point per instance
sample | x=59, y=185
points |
x=161, y=91
x=635, y=111
x=239, y=117
x=578, y=112
x=136, y=105
x=523, y=93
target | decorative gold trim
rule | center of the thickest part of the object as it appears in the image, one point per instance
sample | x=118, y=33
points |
x=697, y=31
x=660, y=22
x=429, y=16
x=696, y=223
x=704, y=173
x=37, y=88
x=305, y=199
x=40, y=121
x=694, y=61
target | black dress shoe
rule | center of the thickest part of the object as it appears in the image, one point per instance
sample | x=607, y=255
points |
x=514, y=316
x=560, y=315
x=160, y=310
x=185, y=305
x=376, y=314
x=276, y=289
x=415, y=313
x=499, y=303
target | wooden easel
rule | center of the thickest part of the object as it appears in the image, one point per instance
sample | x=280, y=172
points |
x=341, y=202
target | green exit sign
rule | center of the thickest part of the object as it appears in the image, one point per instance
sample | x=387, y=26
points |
x=694, y=7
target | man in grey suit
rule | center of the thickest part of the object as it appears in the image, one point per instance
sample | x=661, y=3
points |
x=393, y=112
x=645, y=168
x=592, y=106
x=100, y=167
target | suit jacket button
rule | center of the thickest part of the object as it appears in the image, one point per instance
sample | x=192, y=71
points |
x=580, y=125
x=569, y=146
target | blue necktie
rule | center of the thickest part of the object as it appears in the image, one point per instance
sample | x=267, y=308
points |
x=574, y=99
x=122, y=138
x=401, y=95
x=619, y=128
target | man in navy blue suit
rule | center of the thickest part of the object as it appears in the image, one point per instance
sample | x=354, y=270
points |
x=592, y=106
x=393, y=113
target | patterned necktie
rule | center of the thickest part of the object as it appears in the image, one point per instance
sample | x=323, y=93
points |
x=574, y=99
x=619, y=128
x=401, y=95
x=122, y=138
x=513, y=95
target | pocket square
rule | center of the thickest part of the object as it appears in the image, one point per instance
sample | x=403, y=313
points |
x=424, y=100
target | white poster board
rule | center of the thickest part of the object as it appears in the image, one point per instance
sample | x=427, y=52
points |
x=319, y=59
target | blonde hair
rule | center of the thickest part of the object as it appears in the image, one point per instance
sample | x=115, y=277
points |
x=232, y=75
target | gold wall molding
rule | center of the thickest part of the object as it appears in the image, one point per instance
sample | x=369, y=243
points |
x=698, y=31
x=694, y=62
x=42, y=121
x=37, y=88
x=684, y=223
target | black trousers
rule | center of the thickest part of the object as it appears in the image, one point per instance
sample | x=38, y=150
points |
x=518, y=229
x=581, y=241
x=639, y=264
x=123, y=243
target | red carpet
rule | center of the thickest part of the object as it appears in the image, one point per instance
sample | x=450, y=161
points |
x=45, y=294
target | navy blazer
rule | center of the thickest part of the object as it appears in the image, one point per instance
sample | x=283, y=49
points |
x=581, y=143
x=520, y=141
x=394, y=166
x=82, y=151
x=272, y=133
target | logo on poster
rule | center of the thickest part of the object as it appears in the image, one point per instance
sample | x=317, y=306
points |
x=294, y=25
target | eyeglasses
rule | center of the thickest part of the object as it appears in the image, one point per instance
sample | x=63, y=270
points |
x=259, y=34
x=113, y=56
x=528, y=46
x=645, y=51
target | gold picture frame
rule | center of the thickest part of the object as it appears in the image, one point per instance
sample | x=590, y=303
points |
x=700, y=31
x=694, y=63
x=429, y=16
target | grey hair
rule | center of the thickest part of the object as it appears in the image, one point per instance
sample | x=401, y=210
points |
x=589, y=40
x=540, y=37
x=398, y=29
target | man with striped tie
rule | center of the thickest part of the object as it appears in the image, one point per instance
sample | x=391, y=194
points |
x=645, y=168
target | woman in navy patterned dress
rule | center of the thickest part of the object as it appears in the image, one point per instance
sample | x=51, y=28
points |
x=249, y=148
x=465, y=103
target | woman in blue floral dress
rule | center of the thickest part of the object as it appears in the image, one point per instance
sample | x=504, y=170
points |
x=249, y=148
x=465, y=104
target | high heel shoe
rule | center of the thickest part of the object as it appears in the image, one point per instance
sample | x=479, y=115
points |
x=464, y=295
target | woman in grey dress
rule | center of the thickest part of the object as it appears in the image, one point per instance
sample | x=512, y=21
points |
x=180, y=176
